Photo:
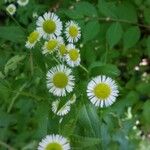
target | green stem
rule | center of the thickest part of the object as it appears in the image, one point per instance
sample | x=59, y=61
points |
x=6, y=146
x=81, y=66
x=31, y=63
x=15, y=97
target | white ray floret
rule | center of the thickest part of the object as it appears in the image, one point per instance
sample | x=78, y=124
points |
x=73, y=56
x=62, y=110
x=72, y=32
x=52, y=45
x=54, y=142
x=60, y=80
x=11, y=9
x=22, y=2
x=102, y=91
x=49, y=25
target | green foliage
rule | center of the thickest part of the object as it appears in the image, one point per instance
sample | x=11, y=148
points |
x=115, y=38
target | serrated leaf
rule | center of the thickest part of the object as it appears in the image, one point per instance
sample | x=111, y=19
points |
x=131, y=37
x=88, y=32
x=114, y=34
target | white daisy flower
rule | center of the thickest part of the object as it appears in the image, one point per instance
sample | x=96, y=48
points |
x=60, y=80
x=54, y=142
x=102, y=91
x=49, y=25
x=73, y=56
x=72, y=99
x=72, y=32
x=60, y=111
x=11, y=9
x=22, y=2
x=62, y=51
x=52, y=45
x=32, y=39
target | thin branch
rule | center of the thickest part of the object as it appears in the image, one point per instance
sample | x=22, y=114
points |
x=108, y=19
x=6, y=146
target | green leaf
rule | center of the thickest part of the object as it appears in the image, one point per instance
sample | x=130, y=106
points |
x=88, y=32
x=107, y=9
x=126, y=11
x=89, y=120
x=12, y=33
x=143, y=88
x=114, y=34
x=13, y=62
x=81, y=10
x=147, y=15
x=148, y=45
x=146, y=112
x=98, y=68
x=131, y=37
x=84, y=142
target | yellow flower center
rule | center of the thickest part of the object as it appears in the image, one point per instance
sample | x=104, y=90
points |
x=51, y=45
x=62, y=49
x=73, y=31
x=74, y=54
x=54, y=146
x=33, y=37
x=102, y=91
x=49, y=26
x=60, y=80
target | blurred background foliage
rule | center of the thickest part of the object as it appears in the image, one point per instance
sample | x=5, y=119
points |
x=115, y=42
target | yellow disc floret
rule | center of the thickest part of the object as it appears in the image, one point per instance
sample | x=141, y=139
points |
x=33, y=37
x=62, y=49
x=102, y=91
x=51, y=45
x=49, y=26
x=60, y=80
x=73, y=31
x=74, y=54
x=53, y=146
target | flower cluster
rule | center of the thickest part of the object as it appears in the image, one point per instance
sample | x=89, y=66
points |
x=101, y=90
x=11, y=8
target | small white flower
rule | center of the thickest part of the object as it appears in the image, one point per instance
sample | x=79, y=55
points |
x=34, y=15
x=52, y=45
x=49, y=25
x=73, y=56
x=22, y=2
x=72, y=99
x=60, y=111
x=102, y=91
x=32, y=39
x=62, y=51
x=54, y=142
x=60, y=80
x=72, y=32
x=11, y=9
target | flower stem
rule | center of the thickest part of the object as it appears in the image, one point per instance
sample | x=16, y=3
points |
x=81, y=66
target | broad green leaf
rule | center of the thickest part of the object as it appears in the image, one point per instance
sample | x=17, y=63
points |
x=85, y=142
x=12, y=33
x=148, y=45
x=143, y=88
x=90, y=31
x=146, y=112
x=114, y=34
x=147, y=15
x=107, y=8
x=89, y=120
x=81, y=10
x=98, y=68
x=13, y=62
x=131, y=37
x=126, y=11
